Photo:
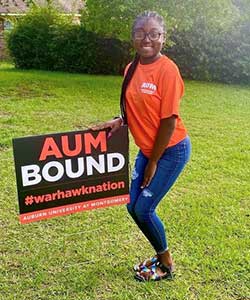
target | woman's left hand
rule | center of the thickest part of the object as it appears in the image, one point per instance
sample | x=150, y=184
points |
x=149, y=173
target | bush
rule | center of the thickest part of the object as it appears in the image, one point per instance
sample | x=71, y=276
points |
x=222, y=57
x=46, y=40
x=78, y=50
x=29, y=41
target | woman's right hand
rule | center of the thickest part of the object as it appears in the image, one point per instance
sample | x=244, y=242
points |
x=114, y=124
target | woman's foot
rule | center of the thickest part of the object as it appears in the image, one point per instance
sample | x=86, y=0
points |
x=156, y=272
x=146, y=263
x=161, y=269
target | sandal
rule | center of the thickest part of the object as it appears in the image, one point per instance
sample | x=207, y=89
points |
x=146, y=263
x=152, y=273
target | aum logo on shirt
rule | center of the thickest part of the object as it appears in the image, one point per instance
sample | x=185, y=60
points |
x=148, y=88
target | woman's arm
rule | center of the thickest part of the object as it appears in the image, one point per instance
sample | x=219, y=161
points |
x=162, y=139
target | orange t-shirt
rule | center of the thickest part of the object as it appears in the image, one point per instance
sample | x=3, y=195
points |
x=154, y=93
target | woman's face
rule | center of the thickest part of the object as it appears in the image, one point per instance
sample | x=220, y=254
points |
x=149, y=46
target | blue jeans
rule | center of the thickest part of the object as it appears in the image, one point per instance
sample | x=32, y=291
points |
x=143, y=202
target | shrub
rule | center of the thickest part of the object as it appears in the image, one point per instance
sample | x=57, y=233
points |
x=222, y=57
x=46, y=40
x=29, y=41
x=78, y=50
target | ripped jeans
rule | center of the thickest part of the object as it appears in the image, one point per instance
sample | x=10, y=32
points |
x=143, y=202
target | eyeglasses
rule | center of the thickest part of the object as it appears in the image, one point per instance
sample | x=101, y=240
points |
x=140, y=35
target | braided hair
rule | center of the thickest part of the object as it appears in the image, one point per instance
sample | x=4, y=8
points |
x=131, y=70
x=149, y=15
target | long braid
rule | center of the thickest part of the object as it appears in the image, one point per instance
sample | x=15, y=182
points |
x=125, y=84
x=132, y=67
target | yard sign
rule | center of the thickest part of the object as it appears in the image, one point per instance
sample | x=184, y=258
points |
x=64, y=173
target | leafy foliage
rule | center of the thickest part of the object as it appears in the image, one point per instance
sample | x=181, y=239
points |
x=205, y=55
x=209, y=40
x=46, y=40
x=29, y=41
x=114, y=18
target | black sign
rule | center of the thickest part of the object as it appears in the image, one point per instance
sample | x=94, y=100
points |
x=64, y=173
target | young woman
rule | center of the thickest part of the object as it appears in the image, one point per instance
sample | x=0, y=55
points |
x=150, y=98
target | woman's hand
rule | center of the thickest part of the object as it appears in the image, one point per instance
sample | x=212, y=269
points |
x=149, y=173
x=165, y=131
x=113, y=124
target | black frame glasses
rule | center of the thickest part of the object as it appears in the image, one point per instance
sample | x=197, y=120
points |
x=140, y=35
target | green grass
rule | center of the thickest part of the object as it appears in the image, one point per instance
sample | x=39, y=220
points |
x=90, y=255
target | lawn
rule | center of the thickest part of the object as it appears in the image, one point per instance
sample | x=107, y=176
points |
x=89, y=255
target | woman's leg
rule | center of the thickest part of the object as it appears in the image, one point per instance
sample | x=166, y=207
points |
x=135, y=187
x=169, y=167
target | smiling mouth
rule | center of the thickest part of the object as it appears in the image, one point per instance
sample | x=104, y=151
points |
x=147, y=47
